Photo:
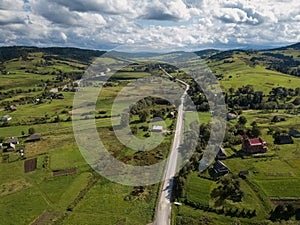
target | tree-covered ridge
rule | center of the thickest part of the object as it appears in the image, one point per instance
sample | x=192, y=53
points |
x=83, y=55
x=284, y=60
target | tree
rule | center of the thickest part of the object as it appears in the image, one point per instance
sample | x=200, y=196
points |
x=23, y=132
x=31, y=131
x=229, y=188
x=297, y=212
x=290, y=211
x=275, y=119
x=134, y=130
x=143, y=115
x=255, y=131
x=242, y=120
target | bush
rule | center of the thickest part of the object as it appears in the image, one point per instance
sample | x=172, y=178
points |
x=31, y=131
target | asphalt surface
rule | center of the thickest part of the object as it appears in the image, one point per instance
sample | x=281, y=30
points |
x=163, y=214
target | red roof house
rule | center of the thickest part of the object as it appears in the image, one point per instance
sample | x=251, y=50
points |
x=254, y=145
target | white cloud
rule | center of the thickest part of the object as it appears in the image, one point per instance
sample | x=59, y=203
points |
x=12, y=5
x=157, y=24
x=100, y=6
x=6, y=17
x=174, y=10
x=63, y=36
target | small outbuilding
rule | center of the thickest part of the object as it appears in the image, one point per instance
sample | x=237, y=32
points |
x=294, y=133
x=283, y=140
x=34, y=138
x=157, y=129
x=220, y=168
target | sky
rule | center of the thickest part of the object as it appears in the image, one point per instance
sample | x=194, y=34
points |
x=150, y=25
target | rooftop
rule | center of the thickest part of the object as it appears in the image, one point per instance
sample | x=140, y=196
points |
x=256, y=141
x=157, y=128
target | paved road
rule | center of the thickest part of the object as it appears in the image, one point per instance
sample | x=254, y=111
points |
x=163, y=214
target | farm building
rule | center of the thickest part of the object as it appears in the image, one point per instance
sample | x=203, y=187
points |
x=294, y=133
x=34, y=137
x=220, y=168
x=283, y=140
x=6, y=118
x=9, y=147
x=13, y=140
x=221, y=153
x=157, y=129
x=254, y=145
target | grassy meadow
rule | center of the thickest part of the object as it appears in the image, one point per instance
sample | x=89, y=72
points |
x=80, y=198
x=85, y=197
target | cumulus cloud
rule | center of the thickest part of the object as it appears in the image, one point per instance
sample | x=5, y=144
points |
x=7, y=17
x=63, y=36
x=174, y=10
x=64, y=16
x=12, y=5
x=158, y=24
x=101, y=6
x=236, y=15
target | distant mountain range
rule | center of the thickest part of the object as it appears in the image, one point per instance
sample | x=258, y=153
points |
x=284, y=59
x=86, y=55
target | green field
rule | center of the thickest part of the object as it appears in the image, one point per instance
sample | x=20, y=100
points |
x=239, y=73
x=85, y=197
x=198, y=189
x=80, y=198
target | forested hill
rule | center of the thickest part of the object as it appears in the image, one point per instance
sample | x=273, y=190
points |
x=294, y=47
x=285, y=60
x=82, y=55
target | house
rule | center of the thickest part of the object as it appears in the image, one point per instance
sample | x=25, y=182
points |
x=6, y=118
x=1, y=145
x=11, y=147
x=220, y=168
x=157, y=129
x=34, y=138
x=13, y=140
x=254, y=145
x=283, y=140
x=221, y=153
x=294, y=133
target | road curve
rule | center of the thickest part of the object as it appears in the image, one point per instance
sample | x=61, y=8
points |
x=163, y=214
